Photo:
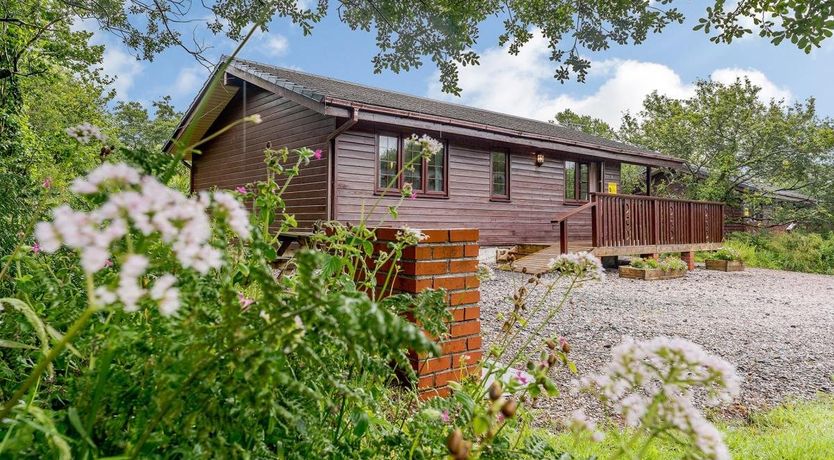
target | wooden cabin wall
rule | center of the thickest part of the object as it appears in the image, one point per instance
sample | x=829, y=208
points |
x=536, y=194
x=237, y=157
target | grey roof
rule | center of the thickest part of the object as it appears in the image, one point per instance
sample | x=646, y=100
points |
x=317, y=88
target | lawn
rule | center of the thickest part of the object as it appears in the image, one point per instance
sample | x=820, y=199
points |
x=794, y=431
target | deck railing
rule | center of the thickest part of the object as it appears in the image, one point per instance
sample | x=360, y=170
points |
x=637, y=221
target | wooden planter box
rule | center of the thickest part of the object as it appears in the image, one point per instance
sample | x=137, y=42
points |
x=649, y=274
x=725, y=265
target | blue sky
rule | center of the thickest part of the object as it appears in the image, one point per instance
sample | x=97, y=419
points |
x=620, y=77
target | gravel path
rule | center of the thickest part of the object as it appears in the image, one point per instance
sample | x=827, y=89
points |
x=776, y=327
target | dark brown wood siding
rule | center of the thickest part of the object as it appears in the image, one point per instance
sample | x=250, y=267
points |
x=536, y=194
x=237, y=156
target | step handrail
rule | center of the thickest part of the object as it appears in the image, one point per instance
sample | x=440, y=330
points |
x=567, y=215
x=562, y=220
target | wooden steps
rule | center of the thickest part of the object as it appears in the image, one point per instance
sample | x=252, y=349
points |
x=537, y=262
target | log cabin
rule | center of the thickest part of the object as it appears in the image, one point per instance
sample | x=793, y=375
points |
x=518, y=180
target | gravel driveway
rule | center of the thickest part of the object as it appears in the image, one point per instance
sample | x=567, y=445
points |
x=776, y=327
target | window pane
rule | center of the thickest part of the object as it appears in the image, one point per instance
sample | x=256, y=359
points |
x=413, y=174
x=570, y=180
x=436, y=172
x=583, y=181
x=499, y=174
x=387, y=160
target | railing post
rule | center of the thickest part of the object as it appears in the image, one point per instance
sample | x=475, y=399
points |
x=594, y=223
x=563, y=237
x=655, y=222
x=691, y=223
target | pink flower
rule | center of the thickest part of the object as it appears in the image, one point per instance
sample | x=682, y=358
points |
x=444, y=416
x=413, y=196
x=244, y=301
x=317, y=154
x=47, y=183
x=241, y=189
x=521, y=377
x=108, y=263
x=36, y=248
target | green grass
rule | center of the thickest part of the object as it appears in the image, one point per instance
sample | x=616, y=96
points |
x=800, y=252
x=795, y=431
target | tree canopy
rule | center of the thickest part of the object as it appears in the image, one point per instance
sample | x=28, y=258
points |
x=407, y=32
x=738, y=149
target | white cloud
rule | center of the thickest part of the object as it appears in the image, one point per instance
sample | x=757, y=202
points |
x=189, y=80
x=121, y=66
x=769, y=89
x=523, y=85
x=116, y=61
x=275, y=45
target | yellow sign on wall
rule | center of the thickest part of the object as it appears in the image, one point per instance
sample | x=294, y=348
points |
x=612, y=188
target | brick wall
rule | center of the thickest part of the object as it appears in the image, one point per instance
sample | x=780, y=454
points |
x=447, y=259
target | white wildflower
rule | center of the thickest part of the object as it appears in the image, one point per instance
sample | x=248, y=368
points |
x=410, y=236
x=429, y=146
x=582, y=265
x=85, y=132
x=152, y=208
x=47, y=237
x=105, y=296
x=108, y=173
x=167, y=295
x=235, y=213
x=663, y=373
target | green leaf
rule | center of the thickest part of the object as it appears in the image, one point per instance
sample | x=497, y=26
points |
x=75, y=420
x=480, y=424
x=12, y=344
x=362, y=424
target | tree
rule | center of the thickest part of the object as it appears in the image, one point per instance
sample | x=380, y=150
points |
x=731, y=140
x=135, y=128
x=585, y=123
x=443, y=31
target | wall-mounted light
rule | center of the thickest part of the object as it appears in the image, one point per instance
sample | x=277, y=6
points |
x=539, y=159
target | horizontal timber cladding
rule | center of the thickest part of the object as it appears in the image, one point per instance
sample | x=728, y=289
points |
x=536, y=194
x=237, y=157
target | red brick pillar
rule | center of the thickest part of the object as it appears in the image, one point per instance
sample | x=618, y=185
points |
x=689, y=258
x=447, y=259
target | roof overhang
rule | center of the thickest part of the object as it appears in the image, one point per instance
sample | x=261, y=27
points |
x=220, y=97
x=446, y=125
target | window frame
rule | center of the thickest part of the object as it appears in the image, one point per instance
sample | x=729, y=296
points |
x=422, y=190
x=507, y=160
x=577, y=182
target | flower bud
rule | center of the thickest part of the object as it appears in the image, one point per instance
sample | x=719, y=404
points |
x=463, y=453
x=564, y=344
x=454, y=442
x=551, y=344
x=509, y=408
x=495, y=390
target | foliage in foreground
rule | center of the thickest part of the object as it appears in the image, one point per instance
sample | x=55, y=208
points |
x=794, y=431
x=792, y=251
x=142, y=322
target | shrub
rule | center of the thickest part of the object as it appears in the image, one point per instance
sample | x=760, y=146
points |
x=665, y=263
x=794, y=251
x=725, y=253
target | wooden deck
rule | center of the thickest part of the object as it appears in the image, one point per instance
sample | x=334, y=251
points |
x=633, y=225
